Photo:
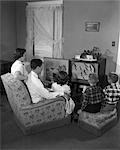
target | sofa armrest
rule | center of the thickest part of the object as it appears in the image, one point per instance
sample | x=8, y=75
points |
x=42, y=103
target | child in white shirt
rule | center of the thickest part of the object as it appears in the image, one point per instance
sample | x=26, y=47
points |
x=60, y=85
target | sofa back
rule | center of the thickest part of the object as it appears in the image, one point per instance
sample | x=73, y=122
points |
x=16, y=91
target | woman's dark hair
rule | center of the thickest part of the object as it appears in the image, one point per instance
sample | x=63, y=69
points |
x=19, y=53
x=35, y=63
x=61, y=77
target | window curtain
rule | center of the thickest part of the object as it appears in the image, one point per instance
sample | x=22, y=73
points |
x=58, y=40
x=29, y=28
x=44, y=30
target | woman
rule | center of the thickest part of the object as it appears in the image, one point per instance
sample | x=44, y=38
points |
x=18, y=68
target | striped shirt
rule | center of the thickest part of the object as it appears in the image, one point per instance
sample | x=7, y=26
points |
x=112, y=93
x=92, y=95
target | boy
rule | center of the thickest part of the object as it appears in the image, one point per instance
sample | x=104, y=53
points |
x=112, y=92
x=93, y=96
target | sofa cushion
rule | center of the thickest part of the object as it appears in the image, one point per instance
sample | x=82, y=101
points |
x=20, y=93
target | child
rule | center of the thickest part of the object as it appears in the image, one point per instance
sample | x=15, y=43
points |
x=112, y=93
x=60, y=85
x=93, y=96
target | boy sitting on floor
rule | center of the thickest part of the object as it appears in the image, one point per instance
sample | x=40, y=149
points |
x=112, y=93
x=93, y=96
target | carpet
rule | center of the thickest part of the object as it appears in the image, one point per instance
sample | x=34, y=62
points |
x=64, y=138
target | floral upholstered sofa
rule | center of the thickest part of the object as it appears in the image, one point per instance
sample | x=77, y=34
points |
x=31, y=117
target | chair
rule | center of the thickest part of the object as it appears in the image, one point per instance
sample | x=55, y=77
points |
x=32, y=118
x=97, y=123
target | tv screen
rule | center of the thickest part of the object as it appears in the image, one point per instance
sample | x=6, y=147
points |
x=54, y=65
x=80, y=70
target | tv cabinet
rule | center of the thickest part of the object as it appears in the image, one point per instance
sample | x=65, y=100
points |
x=80, y=70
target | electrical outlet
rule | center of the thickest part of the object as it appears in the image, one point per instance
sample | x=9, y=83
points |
x=113, y=43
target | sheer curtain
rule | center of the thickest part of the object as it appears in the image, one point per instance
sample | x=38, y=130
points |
x=58, y=39
x=44, y=29
x=29, y=39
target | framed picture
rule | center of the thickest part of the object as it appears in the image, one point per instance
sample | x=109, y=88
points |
x=54, y=65
x=92, y=26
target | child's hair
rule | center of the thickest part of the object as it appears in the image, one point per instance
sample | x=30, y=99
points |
x=19, y=53
x=93, y=78
x=61, y=77
x=35, y=63
x=113, y=77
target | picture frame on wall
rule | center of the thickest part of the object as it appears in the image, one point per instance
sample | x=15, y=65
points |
x=92, y=26
x=54, y=65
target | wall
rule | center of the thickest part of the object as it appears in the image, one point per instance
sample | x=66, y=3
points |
x=118, y=57
x=8, y=30
x=21, y=23
x=13, y=28
x=76, y=39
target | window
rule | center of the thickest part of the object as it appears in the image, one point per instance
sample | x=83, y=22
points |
x=44, y=28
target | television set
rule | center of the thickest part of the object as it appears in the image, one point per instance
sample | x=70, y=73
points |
x=80, y=70
x=54, y=65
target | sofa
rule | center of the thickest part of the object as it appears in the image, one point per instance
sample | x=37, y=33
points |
x=32, y=118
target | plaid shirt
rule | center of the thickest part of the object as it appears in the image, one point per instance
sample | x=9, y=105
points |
x=92, y=95
x=112, y=93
